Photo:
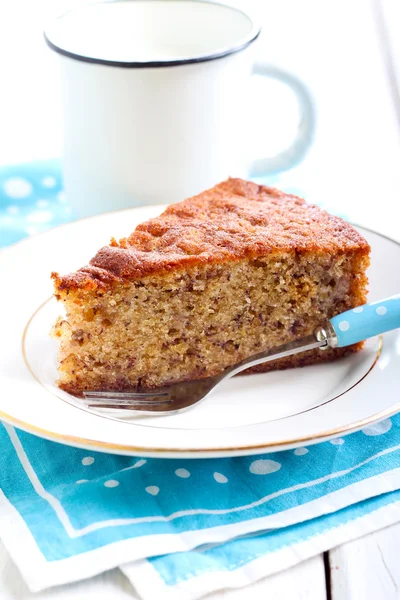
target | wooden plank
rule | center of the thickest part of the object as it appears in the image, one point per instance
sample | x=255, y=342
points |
x=305, y=581
x=110, y=585
x=367, y=568
x=388, y=19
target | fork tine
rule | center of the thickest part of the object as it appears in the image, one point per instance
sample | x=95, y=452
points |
x=125, y=402
x=124, y=395
x=127, y=407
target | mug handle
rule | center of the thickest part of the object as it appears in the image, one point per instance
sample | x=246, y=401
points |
x=292, y=155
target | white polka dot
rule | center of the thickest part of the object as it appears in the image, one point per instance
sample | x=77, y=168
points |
x=264, y=466
x=42, y=203
x=219, y=478
x=337, y=441
x=139, y=463
x=12, y=209
x=152, y=490
x=82, y=480
x=344, y=325
x=88, y=460
x=184, y=473
x=49, y=181
x=61, y=197
x=17, y=187
x=44, y=216
x=300, y=451
x=378, y=428
x=358, y=309
x=381, y=310
x=111, y=483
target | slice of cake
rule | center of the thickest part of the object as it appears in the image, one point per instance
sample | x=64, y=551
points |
x=235, y=270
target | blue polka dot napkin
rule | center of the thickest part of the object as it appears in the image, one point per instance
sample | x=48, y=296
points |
x=31, y=200
x=178, y=529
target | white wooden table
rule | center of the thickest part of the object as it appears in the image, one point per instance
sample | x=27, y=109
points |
x=348, y=51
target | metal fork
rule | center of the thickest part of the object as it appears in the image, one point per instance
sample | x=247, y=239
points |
x=345, y=329
x=181, y=396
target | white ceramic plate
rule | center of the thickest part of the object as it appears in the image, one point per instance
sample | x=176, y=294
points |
x=248, y=415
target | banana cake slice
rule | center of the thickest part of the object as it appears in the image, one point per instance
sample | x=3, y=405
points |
x=235, y=270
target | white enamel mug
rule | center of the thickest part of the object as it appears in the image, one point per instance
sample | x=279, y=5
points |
x=156, y=101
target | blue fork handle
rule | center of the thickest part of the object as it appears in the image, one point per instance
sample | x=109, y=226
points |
x=366, y=321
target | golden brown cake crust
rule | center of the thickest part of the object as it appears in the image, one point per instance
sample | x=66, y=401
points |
x=234, y=220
